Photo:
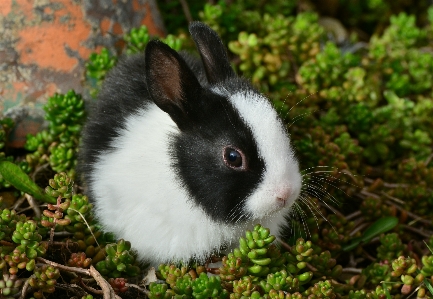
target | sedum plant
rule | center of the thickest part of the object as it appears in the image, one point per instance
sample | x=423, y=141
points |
x=119, y=261
x=58, y=145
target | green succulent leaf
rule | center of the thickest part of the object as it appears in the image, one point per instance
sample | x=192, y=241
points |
x=20, y=180
x=379, y=227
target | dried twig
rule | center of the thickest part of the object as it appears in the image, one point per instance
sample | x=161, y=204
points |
x=352, y=270
x=150, y=277
x=332, y=209
x=34, y=205
x=6, y=243
x=87, y=224
x=65, y=268
x=62, y=234
x=428, y=160
x=425, y=234
x=397, y=200
x=107, y=290
x=19, y=211
x=90, y=289
x=285, y=245
x=72, y=288
x=368, y=256
x=25, y=287
x=212, y=260
x=387, y=185
x=105, y=286
x=353, y=215
x=369, y=194
x=410, y=214
x=311, y=267
x=358, y=228
x=18, y=203
x=142, y=290
x=353, y=262
x=186, y=10
x=39, y=169
x=69, y=245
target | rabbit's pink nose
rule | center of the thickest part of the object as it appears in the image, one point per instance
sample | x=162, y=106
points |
x=283, y=195
x=281, y=202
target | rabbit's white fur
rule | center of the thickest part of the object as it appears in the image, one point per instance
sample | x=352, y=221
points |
x=159, y=218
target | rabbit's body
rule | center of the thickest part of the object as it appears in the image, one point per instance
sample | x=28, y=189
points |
x=180, y=166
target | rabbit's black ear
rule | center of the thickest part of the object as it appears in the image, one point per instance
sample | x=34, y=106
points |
x=212, y=52
x=171, y=83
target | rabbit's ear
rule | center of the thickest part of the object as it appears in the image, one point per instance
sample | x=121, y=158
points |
x=171, y=83
x=212, y=52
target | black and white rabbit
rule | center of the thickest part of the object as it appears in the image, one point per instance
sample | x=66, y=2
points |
x=181, y=156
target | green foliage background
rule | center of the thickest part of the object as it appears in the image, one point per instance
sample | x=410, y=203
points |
x=359, y=109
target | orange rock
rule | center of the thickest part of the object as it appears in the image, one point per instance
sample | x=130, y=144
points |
x=48, y=41
x=5, y=7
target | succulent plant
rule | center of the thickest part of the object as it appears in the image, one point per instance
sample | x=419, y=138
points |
x=8, y=223
x=321, y=289
x=208, y=287
x=60, y=186
x=119, y=261
x=3, y=182
x=174, y=42
x=335, y=232
x=299, y=255
x=26, y=234
x=326, y=265
x=118, y=284
x=58, y=145
x=136, y=40
x=373, y=208
x=44, y=280
x=6, y=124
x=273, y=294
x=378, y=272
x=407, y=270
x=97, y=68
x=266, y=53
x=229, y=18
x=62, y=158
x=80, y=207
x=243, y=288
x=280, y=281
x=253, y=249
x=391, y=247
x=65, y=109
x=10, y=286
x=17, y=260
x=379, y=292
x=232, y=268
x=79, y=260
x=427, y=265
x=358, y=294
x=171, y=273
x=183, y=286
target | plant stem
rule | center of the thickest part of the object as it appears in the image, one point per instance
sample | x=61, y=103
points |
x=186, y=10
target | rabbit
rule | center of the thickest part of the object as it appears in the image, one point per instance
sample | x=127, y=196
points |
x=181, y=156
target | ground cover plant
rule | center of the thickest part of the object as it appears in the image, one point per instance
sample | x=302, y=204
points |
x=360, y=117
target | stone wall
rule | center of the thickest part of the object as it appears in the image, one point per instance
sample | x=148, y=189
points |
x=44, y=43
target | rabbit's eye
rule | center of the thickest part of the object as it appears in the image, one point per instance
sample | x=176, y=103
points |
x=234, y=158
